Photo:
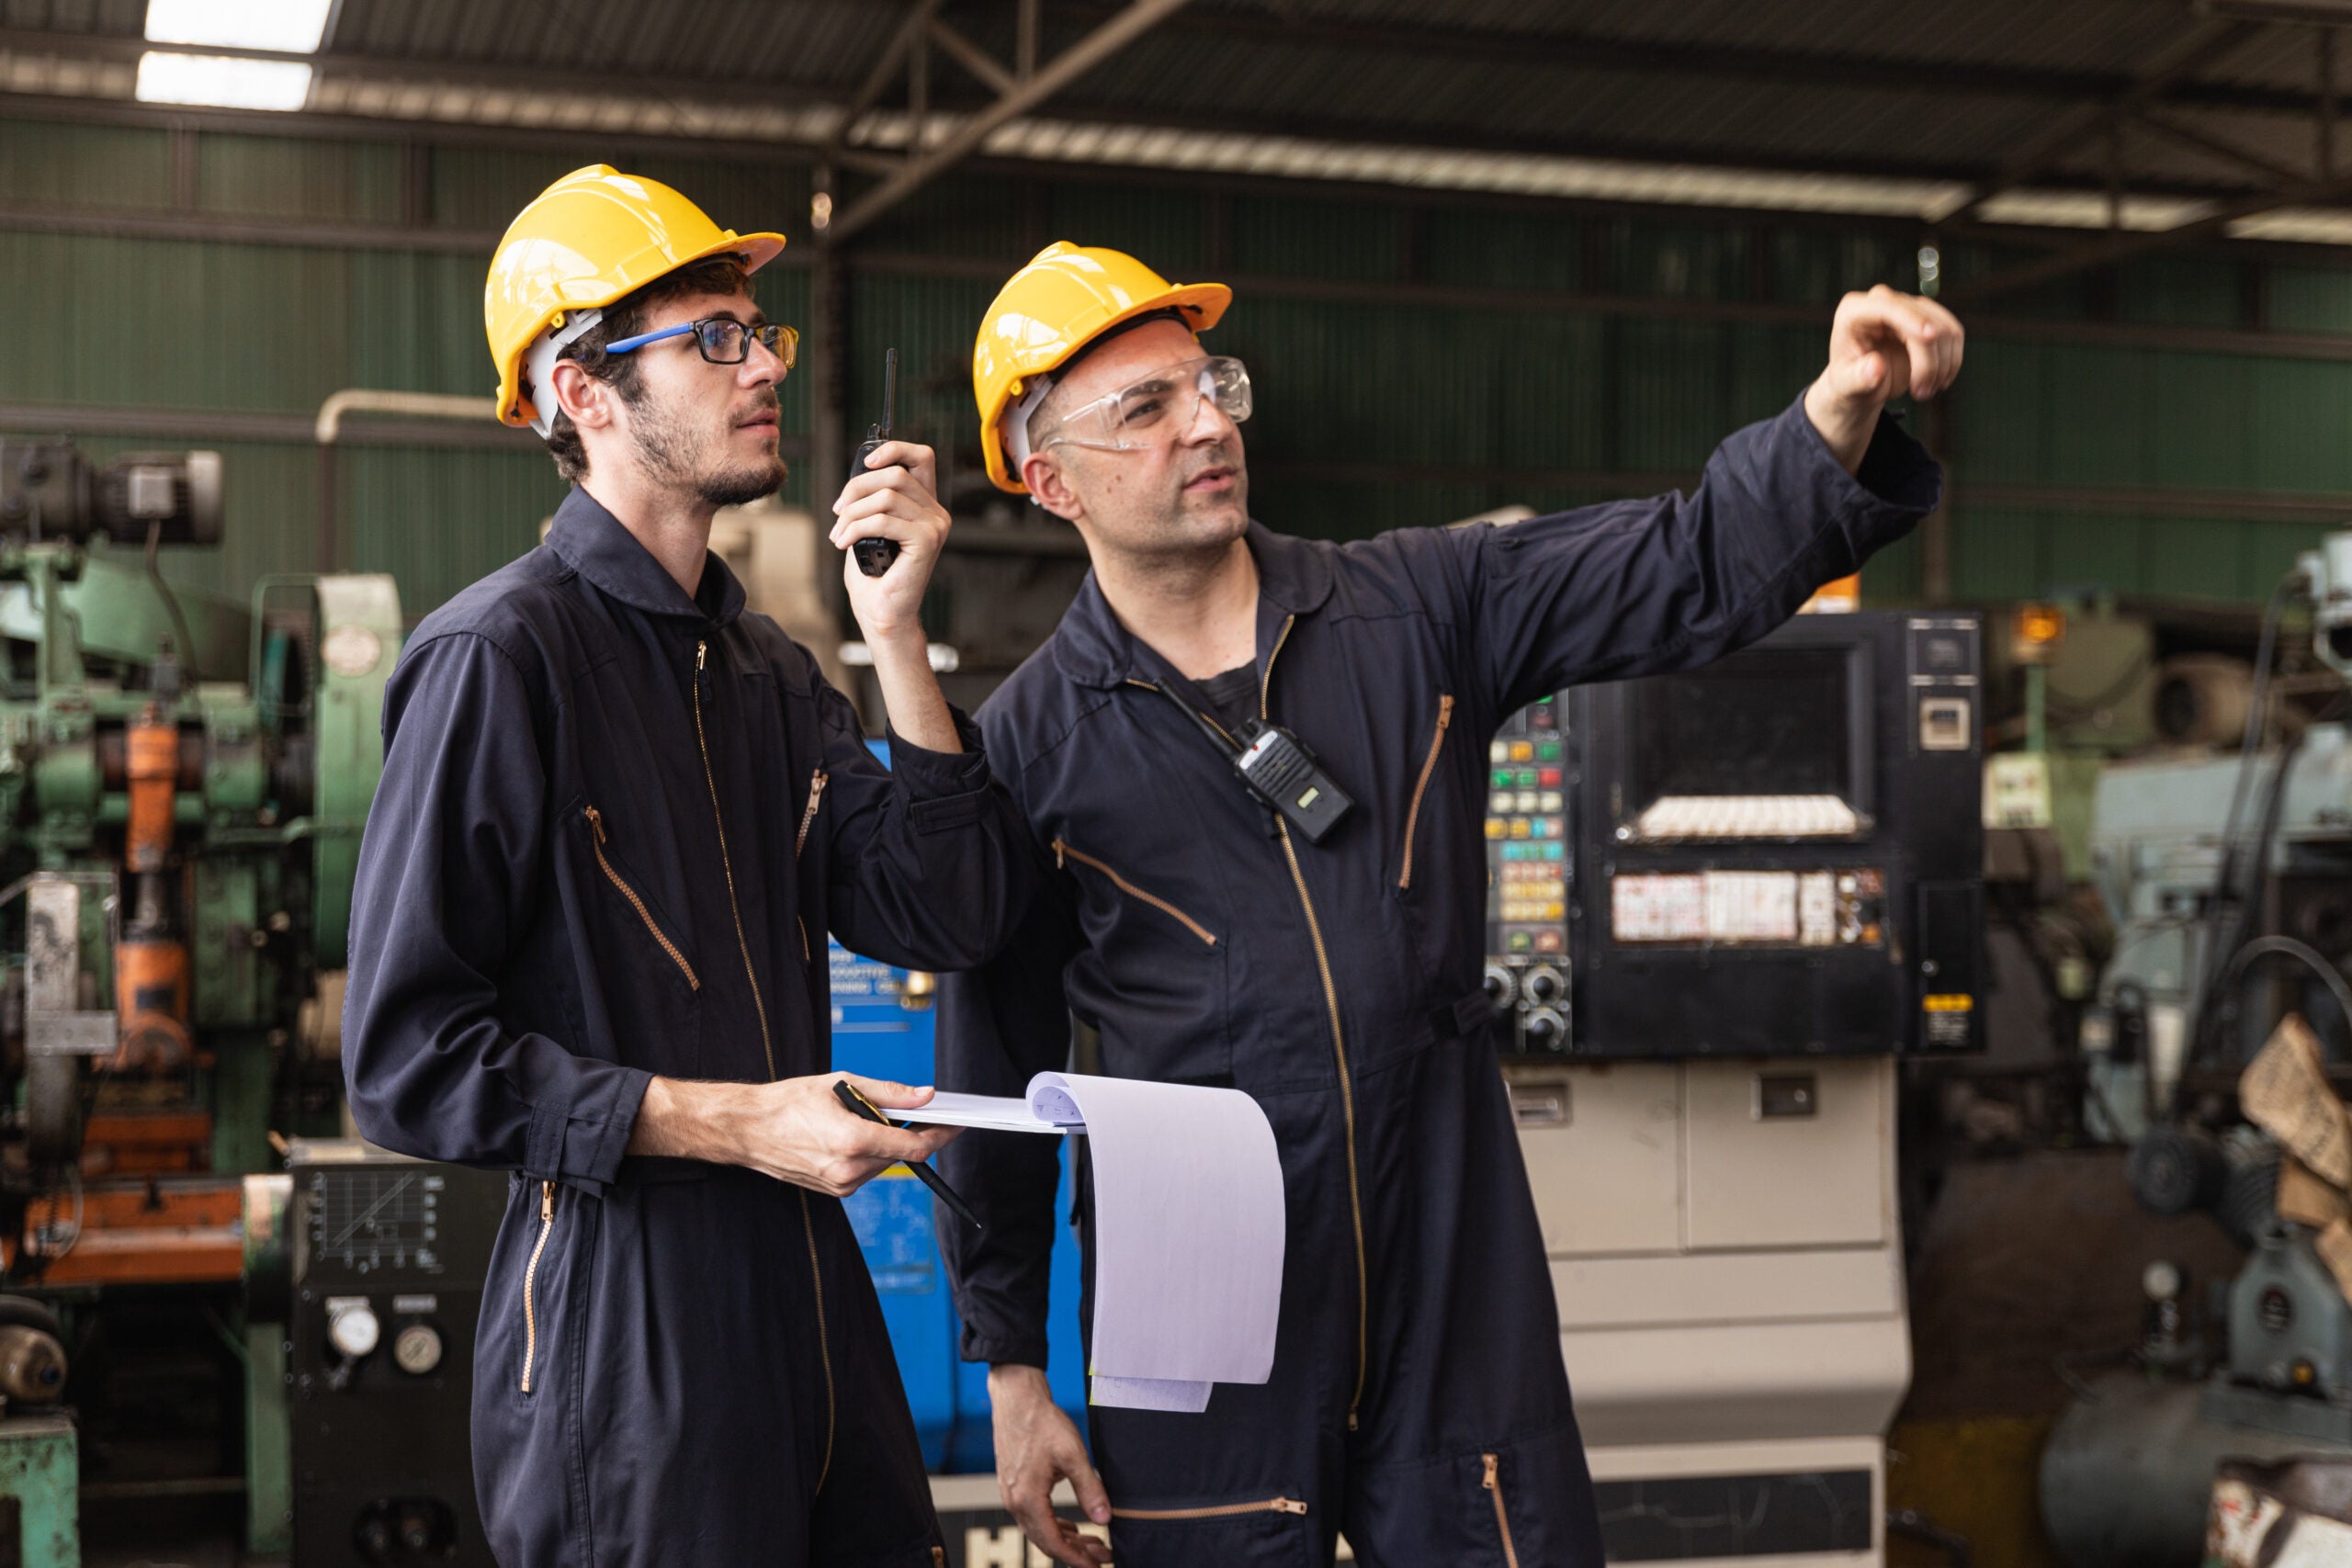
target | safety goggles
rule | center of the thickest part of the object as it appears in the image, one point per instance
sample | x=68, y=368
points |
x=723, y=340
x=1157, y=410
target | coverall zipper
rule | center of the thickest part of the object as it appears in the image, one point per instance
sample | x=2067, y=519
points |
x=596, y=826
x=1339, y=1048
x=800, y=841
x=1502, y=1518
x=1220, y=1511
x=1421, y=788
x=531, y=1280
x=1062, y=850
x=809, y=814
x=742, y=945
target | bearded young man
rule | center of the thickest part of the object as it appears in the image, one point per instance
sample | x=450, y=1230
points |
x=1417, y=1400
x=618, y=816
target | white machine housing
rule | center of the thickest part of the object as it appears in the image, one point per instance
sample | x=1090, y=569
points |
x=1726, y=1247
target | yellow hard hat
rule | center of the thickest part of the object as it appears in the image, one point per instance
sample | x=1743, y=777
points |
x=581, y=243
x=1067, y=297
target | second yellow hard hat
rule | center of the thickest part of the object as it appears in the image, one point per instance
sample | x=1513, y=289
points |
x=1067, y=297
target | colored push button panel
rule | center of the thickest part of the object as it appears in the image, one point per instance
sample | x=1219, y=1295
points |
x=1527, y=830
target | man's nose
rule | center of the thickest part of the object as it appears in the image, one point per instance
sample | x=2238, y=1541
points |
x=1210, y=424
x=762, y=365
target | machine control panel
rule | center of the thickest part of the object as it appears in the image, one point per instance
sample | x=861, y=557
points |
x=1527, y=877
x=1778, y=852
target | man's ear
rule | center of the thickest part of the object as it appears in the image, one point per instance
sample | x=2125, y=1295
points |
x=586, y=400
x=1051, y=488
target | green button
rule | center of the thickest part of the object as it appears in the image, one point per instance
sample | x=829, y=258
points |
x=1521, y=942
x=1547, y=751
x=1506, y=778
x=1526, y=778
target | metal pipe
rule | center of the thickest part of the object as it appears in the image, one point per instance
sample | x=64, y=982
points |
x=408, y=405
x=328, y=430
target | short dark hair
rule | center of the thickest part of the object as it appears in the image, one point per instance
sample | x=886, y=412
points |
x=625, y=317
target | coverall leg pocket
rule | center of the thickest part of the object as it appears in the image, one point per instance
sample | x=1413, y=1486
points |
x=1522, y=1505
x=1270, y=1529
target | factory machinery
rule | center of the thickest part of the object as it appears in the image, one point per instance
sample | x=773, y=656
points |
x=2230, y=880
x=1723, y=905
x=182, y=784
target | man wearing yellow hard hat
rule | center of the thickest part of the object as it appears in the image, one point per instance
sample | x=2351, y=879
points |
x=618, y=816
x=1321, y=945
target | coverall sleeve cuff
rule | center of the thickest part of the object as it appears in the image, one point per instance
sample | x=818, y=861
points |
x=1002, y=1351
x=943, y=789
x=578, y=1137
x=1896, y=472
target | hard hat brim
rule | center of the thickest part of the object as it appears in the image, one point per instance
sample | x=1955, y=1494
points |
x=1206, y=303
x=757, y=249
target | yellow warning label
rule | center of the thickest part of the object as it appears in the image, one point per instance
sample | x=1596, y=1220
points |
x=1948, y=1002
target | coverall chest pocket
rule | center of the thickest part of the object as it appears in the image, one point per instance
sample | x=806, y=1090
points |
x=1155, y=963
x=641, y=983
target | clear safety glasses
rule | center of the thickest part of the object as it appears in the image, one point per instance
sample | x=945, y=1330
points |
x=1158, y=408
x=723, y=340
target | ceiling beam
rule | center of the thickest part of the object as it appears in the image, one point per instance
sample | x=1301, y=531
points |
x=1113, y=35
x=908, y=37
x=973, y=58
x=2270, y=170
x=2189, y=53
x=2116, y=247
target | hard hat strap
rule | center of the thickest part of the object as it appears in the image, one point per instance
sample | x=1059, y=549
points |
x=538, y=364
x=1016, y=419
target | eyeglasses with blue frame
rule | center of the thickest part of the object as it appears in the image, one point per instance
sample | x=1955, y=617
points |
x=722, y=340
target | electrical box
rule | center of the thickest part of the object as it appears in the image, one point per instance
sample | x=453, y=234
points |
x=389, y=1258
x=1780, y=852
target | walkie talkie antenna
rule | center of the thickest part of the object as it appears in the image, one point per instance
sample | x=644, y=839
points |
x=875, y=555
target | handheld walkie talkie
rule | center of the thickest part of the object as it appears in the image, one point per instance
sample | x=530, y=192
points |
x=875, y=555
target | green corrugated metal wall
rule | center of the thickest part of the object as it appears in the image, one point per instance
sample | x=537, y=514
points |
x=1371, y=416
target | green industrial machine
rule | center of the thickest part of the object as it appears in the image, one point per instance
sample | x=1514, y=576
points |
x=182, y=784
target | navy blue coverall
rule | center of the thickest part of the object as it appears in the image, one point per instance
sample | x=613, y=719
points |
x=1418, y=1400
x=614, y=825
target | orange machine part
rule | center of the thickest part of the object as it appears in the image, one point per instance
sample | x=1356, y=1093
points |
x=152, y=999
x=146, y=1143
x=1846, y=594
x=152, y=750
x=179, y=1232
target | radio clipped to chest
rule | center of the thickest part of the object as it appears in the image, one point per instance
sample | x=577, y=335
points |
x=1277, y=767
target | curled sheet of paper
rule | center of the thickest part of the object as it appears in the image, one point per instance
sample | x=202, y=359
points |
x=1189, y=1227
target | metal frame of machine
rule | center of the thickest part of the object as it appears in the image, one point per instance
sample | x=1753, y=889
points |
x=1704, y=1006
x=182, y=784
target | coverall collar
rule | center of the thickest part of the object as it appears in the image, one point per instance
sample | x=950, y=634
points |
x=1093, y=648
x=596, y=544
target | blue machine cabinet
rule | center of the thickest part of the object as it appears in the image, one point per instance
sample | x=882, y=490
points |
x=883, y=1027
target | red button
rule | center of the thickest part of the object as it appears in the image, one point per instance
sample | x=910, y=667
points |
x=1548, y=777
x=1547, y=941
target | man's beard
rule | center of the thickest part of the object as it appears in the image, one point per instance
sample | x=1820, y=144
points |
x=670, y=451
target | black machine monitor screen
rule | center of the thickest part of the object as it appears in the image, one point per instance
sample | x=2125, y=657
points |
x=1763, y=722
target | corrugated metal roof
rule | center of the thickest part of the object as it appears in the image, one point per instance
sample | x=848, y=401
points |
x=1929, y=93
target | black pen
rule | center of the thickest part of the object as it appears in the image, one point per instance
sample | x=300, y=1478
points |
x=858, y=1105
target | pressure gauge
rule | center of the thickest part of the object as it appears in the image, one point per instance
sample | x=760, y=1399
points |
x=416, y=1350
x=352, y=1325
